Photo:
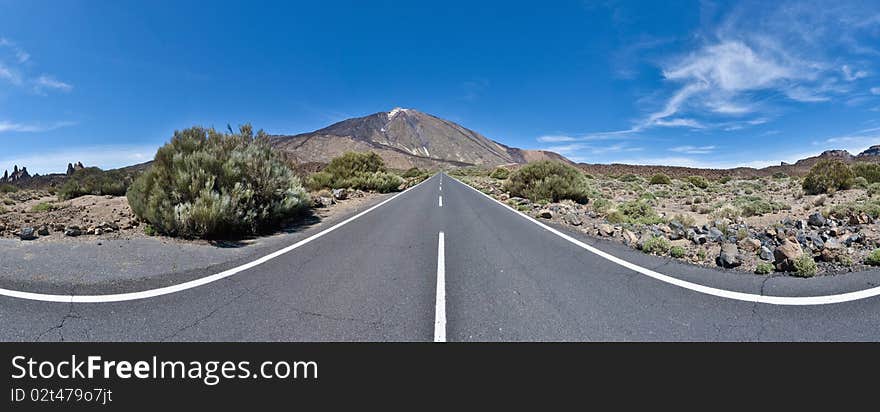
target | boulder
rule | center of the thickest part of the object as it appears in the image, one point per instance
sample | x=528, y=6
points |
x=817, y=220
x=545, y=214
x=573, y=219
x=630, y=238
x=750, y=244
x=785, y=254
x=605, y=230
x=27, y=233
x=340, y=194
x=715, y=235
x=72, y=231
x=729, y=256
x=765, y=253
x=43, y=231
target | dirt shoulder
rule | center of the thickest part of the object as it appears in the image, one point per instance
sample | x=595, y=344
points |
x=122, y=258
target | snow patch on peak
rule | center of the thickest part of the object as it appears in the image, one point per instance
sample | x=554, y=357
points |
x=395, y=111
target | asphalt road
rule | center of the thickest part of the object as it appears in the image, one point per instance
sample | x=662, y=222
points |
x=504, y=279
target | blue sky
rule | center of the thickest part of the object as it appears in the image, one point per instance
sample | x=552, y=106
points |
x=693, y=83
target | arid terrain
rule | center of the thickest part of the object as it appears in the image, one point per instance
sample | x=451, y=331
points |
x=732, y=223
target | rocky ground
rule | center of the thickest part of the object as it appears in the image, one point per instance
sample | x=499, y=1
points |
x=752, y=225
x=39, y=216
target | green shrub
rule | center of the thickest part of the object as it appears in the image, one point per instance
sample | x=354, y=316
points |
x=353, y=170
x=205, y=184
x=873, y=189
x=319, y=180
x=686, y=220
x=677, y=252
x=601, y=205
x=805, y=266
x=352, y=163
x=757, y=206
x=764, y=268
x=857, y=208
x=656, y=245
x=828, y=176
x=8, y=189
x=873, y=258
x=500, y=173
x=698, y=181
x=3, y=210
x=412, y=172
x=94, y=181
x=629, y=178
x=635, y=212
x=382, y=182
x=780, y=175
x=43, y=207
x=660, y=179
x=869, y=171
x=725, y=179
x=549, y=180
x=860, y=183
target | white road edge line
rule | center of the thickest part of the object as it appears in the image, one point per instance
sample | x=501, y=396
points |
x=747, y=297
x=440, y=301
x=121, y=297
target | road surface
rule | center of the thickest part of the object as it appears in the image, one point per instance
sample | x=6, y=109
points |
x=493, y=275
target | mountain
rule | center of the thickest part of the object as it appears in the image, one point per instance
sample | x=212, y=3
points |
x=799, y=168
x=406, y=138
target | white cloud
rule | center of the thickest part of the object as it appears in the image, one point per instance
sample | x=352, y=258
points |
x=556, y=138
x=875, y=90
x=851, y=75
x=693, y=149
x=21, y=56
x=48, y=82
x=105, y=157
x=679, y=122
x=7, y=126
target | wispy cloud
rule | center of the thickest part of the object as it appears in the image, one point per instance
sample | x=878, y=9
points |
x=48, y=82
x=849, y=74
x=693, y=149
x=7, y=126
x=875, y=91
x=16, y=66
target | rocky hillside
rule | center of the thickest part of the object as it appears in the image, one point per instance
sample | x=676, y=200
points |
x=799, y=168
x=406, y=138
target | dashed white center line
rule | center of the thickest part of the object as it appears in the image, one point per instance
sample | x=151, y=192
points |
x=440, y=309
x=441, y=201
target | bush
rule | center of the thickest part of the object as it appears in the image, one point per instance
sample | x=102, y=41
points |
x=845, y=210
x=698, y=181
x=724, y=180
x=873, y=258
x=548, y=180
x=352, y=163
x=601, y=205
x=677, y=252
x=94, y=181
x=805, y=266
x=828, y=176
x=756, y=206
x=353, y=170
x=382, y=182
x=3, y=210
x=636, y=212
x=8, y=189
x=660, y=179
x=873, y=189
x=657, y=245
x=412, y=172
x=43, y=207
x=500, y=173
x=206, y=184
x=860, y=183
x=869, y=171
x=764, y=268
x=629, y=178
